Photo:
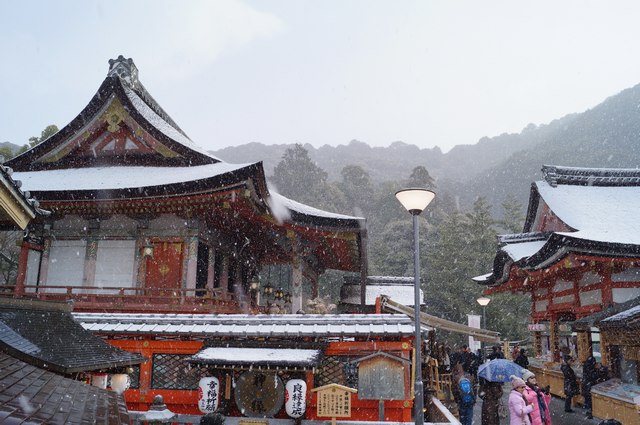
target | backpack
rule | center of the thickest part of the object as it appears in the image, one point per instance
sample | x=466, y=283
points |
x=466, y=392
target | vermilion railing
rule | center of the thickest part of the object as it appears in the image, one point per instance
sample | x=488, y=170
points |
x=148, y=300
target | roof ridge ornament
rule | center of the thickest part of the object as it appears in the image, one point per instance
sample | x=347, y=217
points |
x=584, y=176
x=125, y=69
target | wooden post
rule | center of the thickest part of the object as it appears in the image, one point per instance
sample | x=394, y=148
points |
x=22, y=269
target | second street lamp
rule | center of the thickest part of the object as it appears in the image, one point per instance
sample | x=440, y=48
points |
x=483, y=301
x=415, y=200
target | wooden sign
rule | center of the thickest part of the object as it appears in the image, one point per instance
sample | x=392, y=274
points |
x=382, y=376
x=334, y=401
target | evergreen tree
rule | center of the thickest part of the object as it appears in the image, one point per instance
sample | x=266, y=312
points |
x=420, y=177
x=512, y=215
x=48, y=131
x=300, y=179
x=357, y=189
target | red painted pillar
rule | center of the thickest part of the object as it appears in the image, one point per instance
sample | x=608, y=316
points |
x=22, y=270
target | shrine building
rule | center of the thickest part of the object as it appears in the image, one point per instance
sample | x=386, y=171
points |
x=578, y=254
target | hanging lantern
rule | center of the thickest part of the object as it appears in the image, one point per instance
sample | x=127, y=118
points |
x=295, y=397
x=99, y=380
x=254, y=285
x=208, y=394
x=268, y=289
x=279, y=294
x=120, y=382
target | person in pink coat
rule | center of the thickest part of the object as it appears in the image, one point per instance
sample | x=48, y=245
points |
x=538, y=397
x=519, y=410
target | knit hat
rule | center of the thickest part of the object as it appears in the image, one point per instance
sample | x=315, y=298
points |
x=527, y=374
x=516, y=382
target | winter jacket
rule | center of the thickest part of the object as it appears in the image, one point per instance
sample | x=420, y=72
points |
x=518, y=409
x=570, y=381
x=589, y=375
x=535, y=397
x=490, y=392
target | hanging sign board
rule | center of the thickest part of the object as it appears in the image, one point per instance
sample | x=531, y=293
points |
x=382, y=376
x=208, y=394
x=334, y=401
x=537, y=327
x=295, y=398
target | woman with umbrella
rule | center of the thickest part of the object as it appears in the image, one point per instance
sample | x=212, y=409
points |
x=490, y=393
x=492, y=375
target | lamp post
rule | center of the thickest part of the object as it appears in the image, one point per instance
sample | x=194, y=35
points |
x=415, y=200
x=483, y=301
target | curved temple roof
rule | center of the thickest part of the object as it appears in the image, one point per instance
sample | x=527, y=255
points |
x=597, y=212
x=124, y=146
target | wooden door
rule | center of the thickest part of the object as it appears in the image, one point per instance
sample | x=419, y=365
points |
x=164, y=269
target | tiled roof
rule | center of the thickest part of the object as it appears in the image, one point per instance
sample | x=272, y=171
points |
x=598, y=211
x=555, y=175
x=244, y=325
x=45, y=335
x=30, y=395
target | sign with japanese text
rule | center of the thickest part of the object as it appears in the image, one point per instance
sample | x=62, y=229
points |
x=208, y=394
x=334, y=401
x=295, y=398
x=537, y=327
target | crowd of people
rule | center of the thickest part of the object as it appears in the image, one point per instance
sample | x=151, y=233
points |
x=528, y=402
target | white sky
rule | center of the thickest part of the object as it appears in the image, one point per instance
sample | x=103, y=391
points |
x=429, y=73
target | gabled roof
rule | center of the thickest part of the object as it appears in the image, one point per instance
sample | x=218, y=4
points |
x=17, y=207
x=595, y=212
x=124, y=153
x=122, y=124
x=45, y=335
x=30, y=395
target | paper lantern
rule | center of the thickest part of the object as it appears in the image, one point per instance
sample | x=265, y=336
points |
x=295, y=398
x=99, y=380
x=120, y=382
x=208, y=394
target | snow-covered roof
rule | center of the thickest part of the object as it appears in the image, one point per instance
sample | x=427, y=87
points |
x=257, y=357
x=521, y=250
x=598, y=213
x=599, y=206
x=159, y=123
x=277, y=201
x=623, y=316
x=110, y=178
x=245, y=325
x=350, y=294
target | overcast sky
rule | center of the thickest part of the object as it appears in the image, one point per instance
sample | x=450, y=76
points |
x=429, y=73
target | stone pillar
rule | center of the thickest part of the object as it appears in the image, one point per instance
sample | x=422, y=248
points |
x=296, y=281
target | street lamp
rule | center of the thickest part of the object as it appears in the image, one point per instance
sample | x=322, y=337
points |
x=483, y=301
x=415, y=200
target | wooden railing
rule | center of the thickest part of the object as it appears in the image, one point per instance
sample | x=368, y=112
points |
x=157, y=300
